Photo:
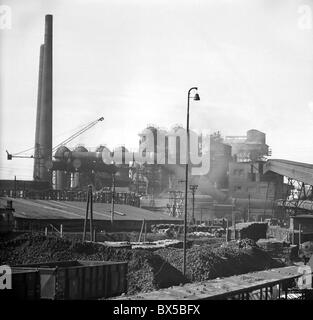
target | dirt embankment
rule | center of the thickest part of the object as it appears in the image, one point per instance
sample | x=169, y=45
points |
x=146, y=270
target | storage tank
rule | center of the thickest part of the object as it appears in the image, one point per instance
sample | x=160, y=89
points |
x=62, y=178
x=102, y=148
x=76, y=176
x=106, y=154
x=121, y=155
x=80, y=149
x=60, y=152
x=80, y=157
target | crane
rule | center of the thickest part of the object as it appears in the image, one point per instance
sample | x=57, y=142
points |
x=78, y=133
x=64, y=142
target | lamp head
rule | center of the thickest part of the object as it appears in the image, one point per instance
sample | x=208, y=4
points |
x=196, y=97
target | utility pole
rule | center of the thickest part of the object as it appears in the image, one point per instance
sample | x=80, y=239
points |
x=193, y=188
x=14, y=186
x=233, y=215
x=89, y=206
x=113, y=198
x=249, y=207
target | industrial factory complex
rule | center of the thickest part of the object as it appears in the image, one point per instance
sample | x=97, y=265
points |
x=99, y=223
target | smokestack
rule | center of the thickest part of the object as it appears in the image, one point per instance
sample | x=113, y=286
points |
x=45, y=122
x=36, y=173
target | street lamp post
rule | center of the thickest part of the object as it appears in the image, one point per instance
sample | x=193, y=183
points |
x=196, y=97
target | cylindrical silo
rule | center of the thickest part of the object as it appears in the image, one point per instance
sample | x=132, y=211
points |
x=61, y=176
x=77, y=176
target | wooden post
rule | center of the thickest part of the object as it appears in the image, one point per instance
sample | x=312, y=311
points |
x=61, y=230
x=233, y=217
x=14, y=186
x=145, y=235
x=143, y=222
x=86, y=218
x=91, y=212
x=226, y=230
x=249, y=207
x=94, y=235
x=299, y=234
x=46, y=231
x=113, y=198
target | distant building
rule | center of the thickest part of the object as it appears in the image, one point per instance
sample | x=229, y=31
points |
x=251, y=147
x=246, y=177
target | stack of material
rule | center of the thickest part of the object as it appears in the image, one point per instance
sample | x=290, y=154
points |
x=271, y=245
x=161, y=228
x=152, y=245
x=278, y=249
x=279, y=233
x=306, y=249
x=249, y=230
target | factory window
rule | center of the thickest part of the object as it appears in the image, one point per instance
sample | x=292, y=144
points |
x=237, y=188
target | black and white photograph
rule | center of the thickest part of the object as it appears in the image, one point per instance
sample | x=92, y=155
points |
x=156, y=150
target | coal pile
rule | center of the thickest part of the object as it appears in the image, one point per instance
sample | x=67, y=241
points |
x=249, y=230
x=204, y=263
x=146, y=271
x=247, y=243
x=279, y=249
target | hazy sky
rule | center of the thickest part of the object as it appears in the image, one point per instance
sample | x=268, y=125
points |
x=133, y=61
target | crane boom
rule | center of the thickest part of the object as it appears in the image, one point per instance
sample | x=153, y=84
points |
x=64, y=142
x=78, y=133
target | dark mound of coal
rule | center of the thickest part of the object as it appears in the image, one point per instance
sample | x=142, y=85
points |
x=146, y=271
x=205, y=262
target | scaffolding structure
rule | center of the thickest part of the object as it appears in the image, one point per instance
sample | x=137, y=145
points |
x=176, y=203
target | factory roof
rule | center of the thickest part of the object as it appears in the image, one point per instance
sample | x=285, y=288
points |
x=50, y=209
x=303, y=216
